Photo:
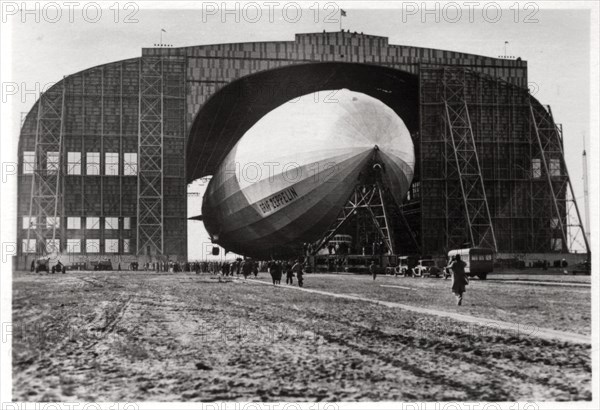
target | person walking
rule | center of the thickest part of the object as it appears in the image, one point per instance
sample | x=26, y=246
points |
x=273, y=271
x=373, y=270
x=278, y=272
x=246, y=268
x=299, y=274
x=289, y=273
x=459, y=279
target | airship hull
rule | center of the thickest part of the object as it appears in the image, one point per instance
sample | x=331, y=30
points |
x=287, y=179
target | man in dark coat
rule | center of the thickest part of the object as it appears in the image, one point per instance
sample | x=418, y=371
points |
x=373, y=270
x=289, y=274
x=273, y=271
x=246, y=268
x=459, y=278
x=278, y=272
x=299, y=274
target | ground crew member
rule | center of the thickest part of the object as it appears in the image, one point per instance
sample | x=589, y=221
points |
x=289, y=274
x=459, y=278
x=246, y=268
x=298, y=269
x=273, y=271
x=373, y=270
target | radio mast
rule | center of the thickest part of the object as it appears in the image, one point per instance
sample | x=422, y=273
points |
x=586, y=196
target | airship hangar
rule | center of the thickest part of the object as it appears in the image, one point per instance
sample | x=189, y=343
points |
x=105, y=154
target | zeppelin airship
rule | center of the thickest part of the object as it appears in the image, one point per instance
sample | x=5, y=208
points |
x=287, y=179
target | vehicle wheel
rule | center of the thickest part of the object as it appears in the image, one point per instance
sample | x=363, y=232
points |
x=482, y=276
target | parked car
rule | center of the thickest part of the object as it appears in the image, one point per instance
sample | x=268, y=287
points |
x=427, y=267
x=406, y=265
x=42, y=264
x=583, y=267
x=102, y=265
x=59, y=268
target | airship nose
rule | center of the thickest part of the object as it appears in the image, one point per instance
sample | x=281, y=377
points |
x=275, y=209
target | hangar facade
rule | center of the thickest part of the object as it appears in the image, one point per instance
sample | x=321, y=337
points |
x=106, y=154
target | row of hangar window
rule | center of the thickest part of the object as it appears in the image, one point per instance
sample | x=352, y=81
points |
x=74, y=245
x=92, y=163
x=91, y=222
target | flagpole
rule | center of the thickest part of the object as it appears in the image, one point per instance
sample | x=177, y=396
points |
x=161, y=37
x=340, y=19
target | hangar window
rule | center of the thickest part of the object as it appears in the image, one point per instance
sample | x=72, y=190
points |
x=111, y=223
x=28, y=162
x=52, y=162
x=416, y=190
x=111, y=162
x=536, y=168
x=52, y=245
x=111, y=246
x=74, y=245
x=74, y=163
x=29, y=222
x=92, y=166
x=28, y=245
x=125, y=245
x=73, y=222
x=127, y=223
x=557, y=244
x=130, y=163
x=52, y=222
x=92, y=246
x=554, y=167
x=92, y=222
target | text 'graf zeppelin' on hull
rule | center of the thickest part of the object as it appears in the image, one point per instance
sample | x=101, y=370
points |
x=289, y=176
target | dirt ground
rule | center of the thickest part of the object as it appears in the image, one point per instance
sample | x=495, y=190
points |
x=184, y=337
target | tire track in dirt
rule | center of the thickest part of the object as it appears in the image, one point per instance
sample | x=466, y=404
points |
x=538, y=332
x=496, y=370
x=172, y=338
x=471, y=354
x=354, y=331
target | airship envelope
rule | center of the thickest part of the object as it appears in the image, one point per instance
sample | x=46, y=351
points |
x=288, y=177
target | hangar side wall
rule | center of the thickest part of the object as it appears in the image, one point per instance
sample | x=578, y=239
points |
x=122, y=125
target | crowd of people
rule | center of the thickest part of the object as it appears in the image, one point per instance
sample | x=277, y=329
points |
x=276, y=268
x=239, y=267
x=291, y=269
x=214, y=267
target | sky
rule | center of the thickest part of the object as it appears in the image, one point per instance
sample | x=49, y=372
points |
x=42, y=46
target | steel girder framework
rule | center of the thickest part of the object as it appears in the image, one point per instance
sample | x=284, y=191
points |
x=465, y=167
x=470, y=121
x=455, y=208
x=365, y=202
x=552, y=193
x=150, y=233
x=161, y=147
x=46, y=201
